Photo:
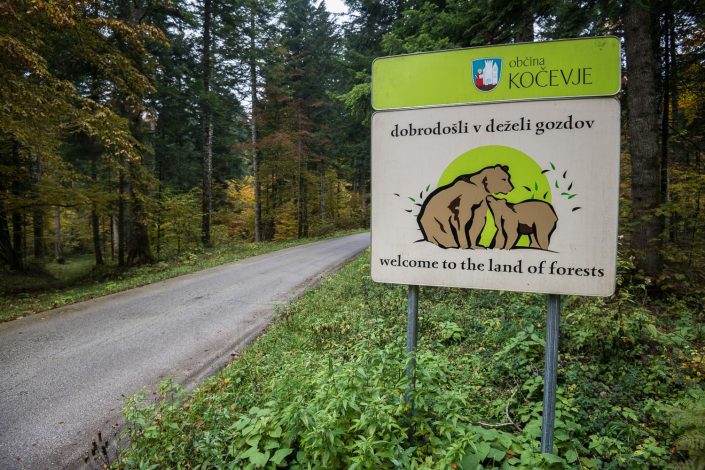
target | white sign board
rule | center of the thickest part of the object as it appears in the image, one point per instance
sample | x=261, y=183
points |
x=512, y=196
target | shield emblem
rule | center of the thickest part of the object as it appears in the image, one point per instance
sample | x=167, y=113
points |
x=486, y=73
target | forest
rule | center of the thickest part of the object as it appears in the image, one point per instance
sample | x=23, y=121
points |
x=134, y=130
x=154, y=137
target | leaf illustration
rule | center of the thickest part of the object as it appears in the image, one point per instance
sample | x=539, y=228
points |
x=576, y=208
x=428, y=187
x=412, y=199
x=553, y=167
x=536, y=186
x=572, y=196
x=556, y=184
x=565, y=194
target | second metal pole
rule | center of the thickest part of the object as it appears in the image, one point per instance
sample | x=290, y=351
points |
x=411, y=337
x=550, y=373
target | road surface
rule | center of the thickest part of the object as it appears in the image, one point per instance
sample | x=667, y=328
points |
x=63, y=372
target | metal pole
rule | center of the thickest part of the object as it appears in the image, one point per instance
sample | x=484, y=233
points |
x=411, y=336
x=549, y=375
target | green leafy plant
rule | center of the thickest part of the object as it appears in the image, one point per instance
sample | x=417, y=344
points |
x=689, y=422
x=325, y=387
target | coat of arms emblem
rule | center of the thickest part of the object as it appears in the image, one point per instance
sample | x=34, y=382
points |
x=486, y=73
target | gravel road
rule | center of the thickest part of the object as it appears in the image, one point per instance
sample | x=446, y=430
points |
x=63, y=372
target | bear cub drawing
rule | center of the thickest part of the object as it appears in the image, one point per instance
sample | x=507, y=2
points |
x=533, y=217
x=453, y=215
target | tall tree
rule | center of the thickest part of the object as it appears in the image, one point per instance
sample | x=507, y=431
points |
x=207, y=127
x=38, y=214
x=42, y=53
x=252, y=62
x=642, y=103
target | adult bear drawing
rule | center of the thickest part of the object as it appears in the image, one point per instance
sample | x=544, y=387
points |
x=534, y=218
x=453, y=215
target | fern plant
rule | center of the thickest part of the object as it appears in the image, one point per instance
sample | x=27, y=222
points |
x=691, y=438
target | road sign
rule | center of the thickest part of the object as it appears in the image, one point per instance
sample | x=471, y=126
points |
x=538, y=70
x=510, y=196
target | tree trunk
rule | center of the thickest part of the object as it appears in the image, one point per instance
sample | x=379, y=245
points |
x=159, y=217
x=105, y=233
x=134, y=236
x=97, y=248
x=121, y=219
x=665, y=110
x=642, y=102
x=38, y=233
x=93, y=151
x=255, y=156
x=139, y=248
x=58, y=242
x=5, y=242
x=322, y=189
x=364, y=204
x=206, y=130
x=38, y=217
x=302, y=224
x=6, y=254
x=95, y=220
x=356, y=175
x=160, y=177
x=670, y=116
x=305, y=208
x=673, y=52
x=17, y=222
x=25, y=231
x=113, y=237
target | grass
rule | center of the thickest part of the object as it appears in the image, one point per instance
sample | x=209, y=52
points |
x=78, y=279
x=324, y=387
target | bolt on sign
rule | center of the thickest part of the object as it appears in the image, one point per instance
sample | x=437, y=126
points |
x=517, y=195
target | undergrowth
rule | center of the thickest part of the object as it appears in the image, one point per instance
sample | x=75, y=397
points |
x=325, y=386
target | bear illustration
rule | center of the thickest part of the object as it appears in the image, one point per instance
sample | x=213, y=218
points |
x=533, y=217
x=453, y=215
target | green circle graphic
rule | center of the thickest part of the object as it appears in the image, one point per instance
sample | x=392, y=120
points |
x=527, y=177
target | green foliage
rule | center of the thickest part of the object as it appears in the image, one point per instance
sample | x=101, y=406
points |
x=104, y=123
x=179, y=222
x=689, y=421
x=357, y=100
x=325, y=386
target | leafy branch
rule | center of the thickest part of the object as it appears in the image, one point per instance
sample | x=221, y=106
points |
x=562, y=184
x=417, y=202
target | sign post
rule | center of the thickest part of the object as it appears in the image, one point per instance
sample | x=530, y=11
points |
x=550, y=373
x=411, y=338
x=498, y=168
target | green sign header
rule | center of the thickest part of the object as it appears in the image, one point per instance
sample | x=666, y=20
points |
x=539, y=70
